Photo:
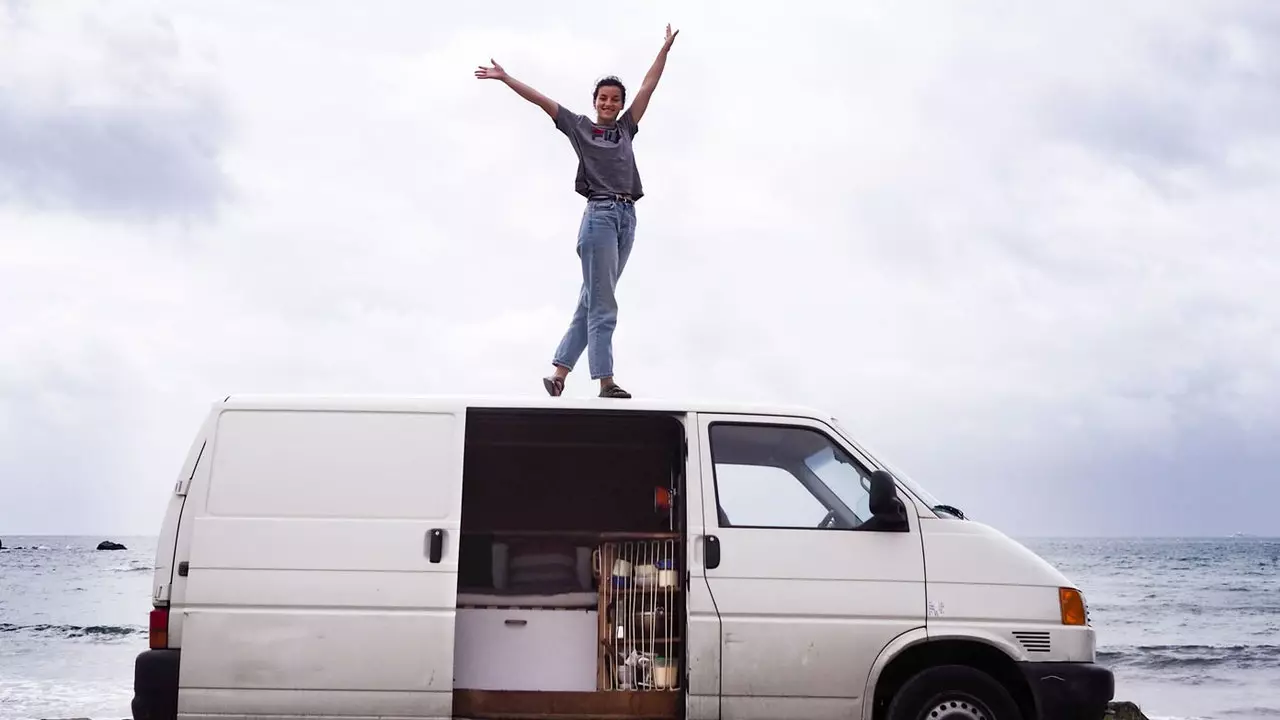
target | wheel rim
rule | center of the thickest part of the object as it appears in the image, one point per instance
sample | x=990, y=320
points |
x=957, y=709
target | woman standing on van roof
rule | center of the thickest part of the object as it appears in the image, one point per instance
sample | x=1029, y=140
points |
x=607, y=177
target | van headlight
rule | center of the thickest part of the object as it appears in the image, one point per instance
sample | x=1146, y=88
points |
x=1072, y=607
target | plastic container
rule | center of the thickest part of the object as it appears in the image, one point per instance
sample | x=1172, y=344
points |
x=664, y=673
x=666, y=575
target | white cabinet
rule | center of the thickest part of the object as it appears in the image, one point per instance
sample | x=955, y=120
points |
x=519, y=649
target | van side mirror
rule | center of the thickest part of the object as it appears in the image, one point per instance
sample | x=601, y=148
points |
x=888, y=513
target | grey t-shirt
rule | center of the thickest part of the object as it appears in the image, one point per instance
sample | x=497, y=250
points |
x=606, y=163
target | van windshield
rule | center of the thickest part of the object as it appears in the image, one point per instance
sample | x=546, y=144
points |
x=918, y=490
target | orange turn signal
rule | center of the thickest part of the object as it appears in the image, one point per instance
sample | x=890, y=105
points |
x=1072, y=604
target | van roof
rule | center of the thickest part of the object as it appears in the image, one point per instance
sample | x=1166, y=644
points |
x=458, y=403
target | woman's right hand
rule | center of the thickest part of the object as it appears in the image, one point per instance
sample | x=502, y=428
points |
x=491, y=73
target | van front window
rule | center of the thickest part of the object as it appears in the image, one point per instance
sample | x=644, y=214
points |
x=786, y=477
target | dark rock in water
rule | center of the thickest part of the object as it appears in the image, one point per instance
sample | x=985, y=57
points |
x=1124, y=710
x=108, y=545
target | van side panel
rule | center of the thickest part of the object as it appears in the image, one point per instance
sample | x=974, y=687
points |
x=312, y=590
x=984, y=585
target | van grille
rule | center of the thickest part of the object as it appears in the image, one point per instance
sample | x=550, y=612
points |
x=1033, y=642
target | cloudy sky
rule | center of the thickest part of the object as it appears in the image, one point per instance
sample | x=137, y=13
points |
x=1025, y=250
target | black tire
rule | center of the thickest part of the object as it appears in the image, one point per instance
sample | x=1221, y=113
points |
x=967, y=693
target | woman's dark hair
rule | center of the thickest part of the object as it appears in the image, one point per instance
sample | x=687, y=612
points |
x=609, y=81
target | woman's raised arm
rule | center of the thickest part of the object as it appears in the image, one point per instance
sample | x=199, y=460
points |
x=497, y=73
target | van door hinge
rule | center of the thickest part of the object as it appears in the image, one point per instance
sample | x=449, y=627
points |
x=181, y=487
x=184, y=567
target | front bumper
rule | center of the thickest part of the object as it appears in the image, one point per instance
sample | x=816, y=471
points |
x=155, y=685
x=1069, y=691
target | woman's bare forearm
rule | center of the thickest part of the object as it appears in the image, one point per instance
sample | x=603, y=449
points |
x=533, y=96
x=652, y=77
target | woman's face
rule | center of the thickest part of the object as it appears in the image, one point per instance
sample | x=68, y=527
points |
x=608, y=103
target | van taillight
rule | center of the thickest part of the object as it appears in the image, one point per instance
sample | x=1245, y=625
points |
x=159, y=628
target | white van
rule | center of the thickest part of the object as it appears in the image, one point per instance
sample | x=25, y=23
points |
x=561, y=558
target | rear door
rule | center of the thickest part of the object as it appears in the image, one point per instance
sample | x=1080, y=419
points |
x=805, y=601
x=322, y=565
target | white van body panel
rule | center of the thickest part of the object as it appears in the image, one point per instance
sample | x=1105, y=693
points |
x=984, y=585
x=309, y=567
x=971, y=553
x=183, y=528
x=167, y=542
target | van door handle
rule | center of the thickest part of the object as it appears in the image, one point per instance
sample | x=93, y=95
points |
x=711, y=547
x=436, y=544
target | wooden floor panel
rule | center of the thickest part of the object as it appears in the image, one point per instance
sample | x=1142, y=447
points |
x=522, y=705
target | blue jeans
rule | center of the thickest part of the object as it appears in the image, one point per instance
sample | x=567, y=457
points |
x=605, y=235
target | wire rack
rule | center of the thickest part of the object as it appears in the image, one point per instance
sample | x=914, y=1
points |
x=640, y=612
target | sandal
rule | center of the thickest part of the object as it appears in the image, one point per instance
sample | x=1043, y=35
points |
x=613, y=391
x=554, y=385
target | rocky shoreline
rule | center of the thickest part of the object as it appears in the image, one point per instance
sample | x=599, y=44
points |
x=1123, y=710
x=104, y=545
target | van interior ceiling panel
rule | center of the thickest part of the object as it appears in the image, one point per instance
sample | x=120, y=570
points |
x=571, y=566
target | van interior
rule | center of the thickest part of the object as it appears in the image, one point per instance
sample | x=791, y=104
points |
x=571, y=555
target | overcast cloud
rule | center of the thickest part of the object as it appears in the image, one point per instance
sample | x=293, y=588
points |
x=1024, y=250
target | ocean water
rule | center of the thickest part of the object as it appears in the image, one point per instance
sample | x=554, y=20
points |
x=1191, y=627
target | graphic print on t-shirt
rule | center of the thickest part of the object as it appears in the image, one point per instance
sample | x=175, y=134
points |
x=610, y=136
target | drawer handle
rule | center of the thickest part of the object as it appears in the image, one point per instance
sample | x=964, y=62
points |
x=517, y=622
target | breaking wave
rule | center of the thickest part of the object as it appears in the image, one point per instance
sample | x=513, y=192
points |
x=97, y=632
x=1175, y=657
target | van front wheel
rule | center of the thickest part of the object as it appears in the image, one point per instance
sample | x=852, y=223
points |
x=952, y=692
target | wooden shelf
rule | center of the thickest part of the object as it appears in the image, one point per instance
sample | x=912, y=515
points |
x=621, y=608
